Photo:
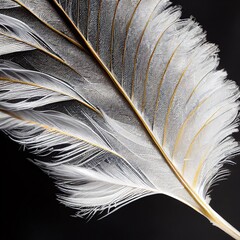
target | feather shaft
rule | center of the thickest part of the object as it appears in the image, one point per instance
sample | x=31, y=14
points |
x=70, y=39
x=205, y=209
x=176, y=111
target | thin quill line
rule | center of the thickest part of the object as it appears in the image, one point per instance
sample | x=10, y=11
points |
x=98, y=25
x=58, y=131
x=44, y=51
x=51, y=27
x=112, y=34
x=148, y=67
x=199, y=168
x=165, y=128
x=88, y=18
x=126, y=37
x=183, y=126
x=206, y=124
x=42, y=87
x=78, y=14
x=160, y=85
x=196, y=87
x=138, y=47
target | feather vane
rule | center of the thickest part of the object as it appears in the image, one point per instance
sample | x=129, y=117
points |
x=125, y=99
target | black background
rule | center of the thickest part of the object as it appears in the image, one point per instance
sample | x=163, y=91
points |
x=29, y=210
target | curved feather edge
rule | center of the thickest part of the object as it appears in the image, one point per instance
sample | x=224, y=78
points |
x=5, y=4
x=89, y=184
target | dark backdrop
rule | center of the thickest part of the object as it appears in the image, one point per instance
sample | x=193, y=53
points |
x=30, y=211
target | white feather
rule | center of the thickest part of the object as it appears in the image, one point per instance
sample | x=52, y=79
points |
x=164, y=126
x=17, y=37
x=23, y=86
x=5, y=4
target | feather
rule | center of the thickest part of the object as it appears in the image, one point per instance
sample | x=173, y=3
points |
x=119, y=100
x=5, y=4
